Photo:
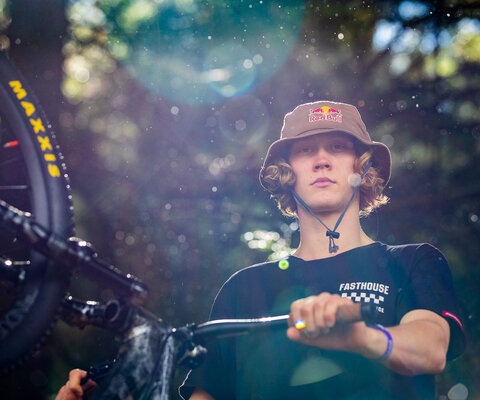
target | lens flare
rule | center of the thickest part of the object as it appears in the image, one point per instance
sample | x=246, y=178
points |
x=199, y=53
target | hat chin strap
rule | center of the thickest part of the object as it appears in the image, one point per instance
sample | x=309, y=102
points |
x=332, y=233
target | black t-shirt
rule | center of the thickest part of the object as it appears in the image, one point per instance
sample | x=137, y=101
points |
x=267, y=365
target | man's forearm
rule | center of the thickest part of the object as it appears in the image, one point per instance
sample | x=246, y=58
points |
x=420, y=344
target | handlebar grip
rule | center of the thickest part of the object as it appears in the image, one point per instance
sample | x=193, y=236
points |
x=355, y=312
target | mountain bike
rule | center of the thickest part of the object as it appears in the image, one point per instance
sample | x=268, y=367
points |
x=38, y=255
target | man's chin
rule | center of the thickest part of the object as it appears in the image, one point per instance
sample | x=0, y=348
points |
x=326, y=209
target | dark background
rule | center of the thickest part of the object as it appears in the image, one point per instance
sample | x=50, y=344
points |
x=163, y=158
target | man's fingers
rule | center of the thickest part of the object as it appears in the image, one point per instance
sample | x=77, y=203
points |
x=316, y=315
x=76, y=375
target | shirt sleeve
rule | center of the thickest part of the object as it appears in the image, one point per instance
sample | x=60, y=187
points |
x=431, y=288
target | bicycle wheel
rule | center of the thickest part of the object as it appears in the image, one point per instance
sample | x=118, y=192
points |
x=33, y=179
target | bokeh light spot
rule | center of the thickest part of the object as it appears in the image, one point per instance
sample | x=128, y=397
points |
x=244, y=120
x=458, y=392
x=283, y=264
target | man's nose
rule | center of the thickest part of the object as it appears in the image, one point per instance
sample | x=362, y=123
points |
x=322, y=160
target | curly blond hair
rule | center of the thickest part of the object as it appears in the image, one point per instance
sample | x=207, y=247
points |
x=279, y=180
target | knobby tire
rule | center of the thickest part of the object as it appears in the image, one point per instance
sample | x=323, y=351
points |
x=33, y=179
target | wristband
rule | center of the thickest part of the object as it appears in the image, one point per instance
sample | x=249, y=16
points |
x=389, y=348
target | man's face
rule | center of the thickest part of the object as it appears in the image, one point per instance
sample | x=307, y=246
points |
x=322, y=165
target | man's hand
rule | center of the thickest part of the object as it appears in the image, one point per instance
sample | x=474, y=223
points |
x=73, y=390
x=313, y=321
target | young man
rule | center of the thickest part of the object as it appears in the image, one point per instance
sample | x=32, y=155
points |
x=327, y=172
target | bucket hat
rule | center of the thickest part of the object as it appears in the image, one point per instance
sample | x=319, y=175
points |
x=321, y=117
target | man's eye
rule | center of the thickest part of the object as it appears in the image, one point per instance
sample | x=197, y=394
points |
x=340, y=146
x=304, y=149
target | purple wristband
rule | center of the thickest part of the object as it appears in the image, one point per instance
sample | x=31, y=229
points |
x=389, y=348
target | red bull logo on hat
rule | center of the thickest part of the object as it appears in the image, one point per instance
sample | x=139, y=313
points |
x=325, y=113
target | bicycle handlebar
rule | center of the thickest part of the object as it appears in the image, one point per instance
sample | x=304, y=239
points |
x=346, y=313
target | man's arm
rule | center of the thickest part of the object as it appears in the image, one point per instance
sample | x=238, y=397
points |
x=420, y=341
x=420, y=344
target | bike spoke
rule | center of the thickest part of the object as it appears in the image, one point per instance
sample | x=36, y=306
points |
x=14, y=187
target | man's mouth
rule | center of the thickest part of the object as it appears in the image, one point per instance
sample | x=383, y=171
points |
x=323, y=182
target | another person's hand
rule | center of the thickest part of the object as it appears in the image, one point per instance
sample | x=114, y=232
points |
x=73, y=389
